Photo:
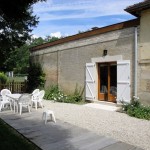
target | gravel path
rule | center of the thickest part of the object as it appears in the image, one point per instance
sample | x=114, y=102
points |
x=112, y=124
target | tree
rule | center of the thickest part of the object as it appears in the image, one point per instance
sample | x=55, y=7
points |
x=37, y=41
x=19, y=59
x=36, y=77
x=16, y=23
x=3, y=78
x=51, y=38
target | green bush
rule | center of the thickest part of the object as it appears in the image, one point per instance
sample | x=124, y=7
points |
x=36, y=77
x=136, y=109
x=54, y=93
x=3, y=78
x=76, y=97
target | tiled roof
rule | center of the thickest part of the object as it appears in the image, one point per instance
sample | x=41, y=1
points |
x=93, y=32
x=137, y=8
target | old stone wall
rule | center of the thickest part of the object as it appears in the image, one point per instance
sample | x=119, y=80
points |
x=144, y=57
x=65, y=63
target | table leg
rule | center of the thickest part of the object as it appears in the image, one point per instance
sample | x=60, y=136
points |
x=14, y=106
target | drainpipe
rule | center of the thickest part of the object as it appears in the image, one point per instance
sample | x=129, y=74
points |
x=135, y=61
x=57, y=70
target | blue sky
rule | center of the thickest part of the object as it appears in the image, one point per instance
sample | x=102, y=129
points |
x=68, y=17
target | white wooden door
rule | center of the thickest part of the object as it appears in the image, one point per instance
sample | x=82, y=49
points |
x=90, y=81
x=123, y=81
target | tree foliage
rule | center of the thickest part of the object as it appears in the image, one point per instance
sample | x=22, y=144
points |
x=3, y=78
x=19, y=60
x=16, y=23
x=36, y=77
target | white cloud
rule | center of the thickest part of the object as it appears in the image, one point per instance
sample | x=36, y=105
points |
x=69, y=9
x=84, y=8
x=65, y=30
x=34, y=36
x=56, y=34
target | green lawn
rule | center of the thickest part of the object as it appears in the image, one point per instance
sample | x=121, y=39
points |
x=10, y=139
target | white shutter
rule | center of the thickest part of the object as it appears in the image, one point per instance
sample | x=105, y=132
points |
x=90, y=81
x=123, y=81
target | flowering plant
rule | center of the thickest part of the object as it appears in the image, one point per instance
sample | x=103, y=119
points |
x=136, y=109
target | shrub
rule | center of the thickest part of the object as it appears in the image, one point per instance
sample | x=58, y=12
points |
x=136, y=109
x=76, y=97
x=36, y=77
x=54, y=93
x=3, y=78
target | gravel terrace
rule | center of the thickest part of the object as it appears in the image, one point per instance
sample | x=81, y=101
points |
x=111, y=124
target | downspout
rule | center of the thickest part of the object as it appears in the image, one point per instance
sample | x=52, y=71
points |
x=57, y=69
x=135, y=61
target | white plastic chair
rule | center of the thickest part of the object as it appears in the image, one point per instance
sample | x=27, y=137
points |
x=35, y=92
x=24, y=101
x=38, y=99
x=34, y=97
x=5, y=100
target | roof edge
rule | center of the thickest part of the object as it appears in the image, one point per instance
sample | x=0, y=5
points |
x=126, y=24
x=137, y=8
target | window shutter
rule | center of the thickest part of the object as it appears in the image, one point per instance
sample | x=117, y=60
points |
x=123, y=81
x=90, y=81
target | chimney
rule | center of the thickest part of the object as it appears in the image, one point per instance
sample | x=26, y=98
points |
x=94, y=28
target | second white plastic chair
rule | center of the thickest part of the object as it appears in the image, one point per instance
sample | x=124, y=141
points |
x=34, y=97
x=38, y=100
x=5, y=100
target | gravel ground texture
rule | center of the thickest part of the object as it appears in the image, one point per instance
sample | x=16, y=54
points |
x=111, y=124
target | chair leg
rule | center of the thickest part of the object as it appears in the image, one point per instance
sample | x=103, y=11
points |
x=31, y=104
x=35, y=103
x=41, y=104
x=14, y=106
x=29, y=108
x=20, y=109
x=17, y=107
x=10, y=106
x=1, y=107
x=53, y=117
x=45, y=118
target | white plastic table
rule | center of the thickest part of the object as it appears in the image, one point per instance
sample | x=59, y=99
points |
x=15, y=98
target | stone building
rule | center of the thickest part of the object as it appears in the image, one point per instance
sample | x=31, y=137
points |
x=110, y=64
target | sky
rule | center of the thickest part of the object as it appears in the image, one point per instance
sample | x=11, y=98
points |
x=68, y=17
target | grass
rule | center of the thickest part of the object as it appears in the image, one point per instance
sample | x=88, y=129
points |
x=10, y=139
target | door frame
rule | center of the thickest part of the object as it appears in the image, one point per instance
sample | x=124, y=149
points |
x=106, y=96
x=120, y=83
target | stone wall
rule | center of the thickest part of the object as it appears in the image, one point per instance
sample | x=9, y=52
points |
x=65, y=63
x=144, y=57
